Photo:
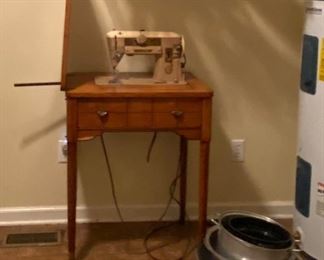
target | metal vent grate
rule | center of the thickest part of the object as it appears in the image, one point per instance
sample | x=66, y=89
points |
x=33, y=239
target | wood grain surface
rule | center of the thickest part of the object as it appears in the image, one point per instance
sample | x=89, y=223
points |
x=83, y=85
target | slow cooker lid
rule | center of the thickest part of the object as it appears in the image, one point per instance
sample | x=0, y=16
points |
x=257, y=231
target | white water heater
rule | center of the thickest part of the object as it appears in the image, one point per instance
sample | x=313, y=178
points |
x=309, y=199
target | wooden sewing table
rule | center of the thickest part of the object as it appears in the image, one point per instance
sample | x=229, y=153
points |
x=182, y=109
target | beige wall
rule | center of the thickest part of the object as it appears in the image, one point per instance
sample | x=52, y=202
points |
x=247, y=51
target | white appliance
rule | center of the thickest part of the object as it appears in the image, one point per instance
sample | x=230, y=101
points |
x=309, y=199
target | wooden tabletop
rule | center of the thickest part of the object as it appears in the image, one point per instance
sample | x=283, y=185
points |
x=81, y=85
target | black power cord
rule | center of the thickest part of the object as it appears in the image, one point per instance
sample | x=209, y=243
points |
x=111, y=178
x=149, y=152
x=172, y=189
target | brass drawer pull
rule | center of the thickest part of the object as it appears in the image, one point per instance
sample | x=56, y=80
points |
x=102, y=113
x=177, y=113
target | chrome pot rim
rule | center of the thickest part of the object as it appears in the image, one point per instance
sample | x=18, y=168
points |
x=217, y=254
x=218, y=225
x=208, y=245
x=246, y=243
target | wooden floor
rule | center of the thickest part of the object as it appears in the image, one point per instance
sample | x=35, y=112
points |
x=111, y=241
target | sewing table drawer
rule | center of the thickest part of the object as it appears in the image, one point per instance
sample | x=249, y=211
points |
x=139, y=113
x=94, y=114
x=177, y=113
x=107, y=105
x=183, y=105
x=102, y=120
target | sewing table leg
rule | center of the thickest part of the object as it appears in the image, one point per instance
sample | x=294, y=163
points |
x=203, y=187
x=183, y=178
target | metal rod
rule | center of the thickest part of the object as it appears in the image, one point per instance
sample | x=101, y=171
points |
x=36, y=84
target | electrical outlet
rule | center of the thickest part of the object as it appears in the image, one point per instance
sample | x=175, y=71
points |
x=62, y=151
x=237, y=149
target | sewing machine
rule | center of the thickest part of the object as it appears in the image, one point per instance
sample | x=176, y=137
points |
x=167, y=47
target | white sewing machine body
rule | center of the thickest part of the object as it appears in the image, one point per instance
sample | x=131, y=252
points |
x=167, y=47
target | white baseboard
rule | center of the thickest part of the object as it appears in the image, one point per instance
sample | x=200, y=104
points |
x=57, y=214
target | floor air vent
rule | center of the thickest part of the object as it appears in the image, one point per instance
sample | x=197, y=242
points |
x=33, y=239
